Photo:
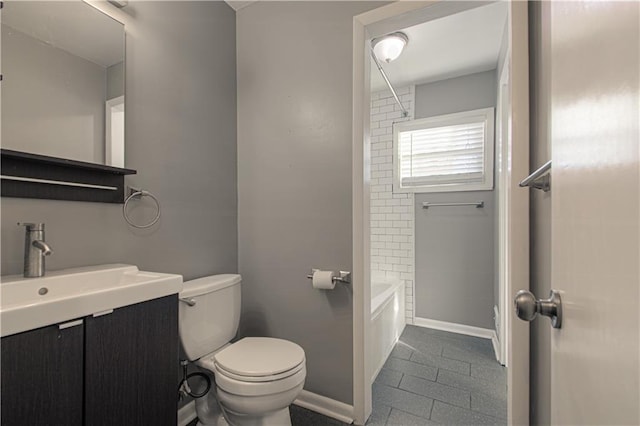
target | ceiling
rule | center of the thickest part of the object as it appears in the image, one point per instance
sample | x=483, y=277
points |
x=75, y=27
x=237, y=4
x=456, y=45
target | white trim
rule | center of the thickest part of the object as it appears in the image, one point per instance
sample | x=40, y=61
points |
x=495, y=339
x=449, y=183
x=360, y=206
x=187, y=413
x=502, y=142
x=325, y=406
x=114, y=150
x=469, y=330
x=496, y=347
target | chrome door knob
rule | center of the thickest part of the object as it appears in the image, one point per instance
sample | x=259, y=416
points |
x=528, y=307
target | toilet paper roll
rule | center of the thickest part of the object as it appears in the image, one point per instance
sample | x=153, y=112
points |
x=323, y=280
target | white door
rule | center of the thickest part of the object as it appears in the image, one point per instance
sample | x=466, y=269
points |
x=595, y=212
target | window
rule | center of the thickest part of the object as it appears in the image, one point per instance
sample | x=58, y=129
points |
x=451, y=152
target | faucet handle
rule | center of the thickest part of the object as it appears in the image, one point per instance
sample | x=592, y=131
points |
x=32, y=226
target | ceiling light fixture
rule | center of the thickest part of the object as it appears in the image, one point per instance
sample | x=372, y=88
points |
x=388, y=47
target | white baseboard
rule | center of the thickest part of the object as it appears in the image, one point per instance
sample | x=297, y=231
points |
x=469, y=330
x=309, y=400
x=187, y=414
x=325, y=406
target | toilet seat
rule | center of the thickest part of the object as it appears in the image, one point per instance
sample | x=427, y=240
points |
x=260, y=359
x=259, y=379
x=245, y=388
x=257, y=366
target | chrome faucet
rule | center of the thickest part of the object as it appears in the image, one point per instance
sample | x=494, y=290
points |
x=35, y=249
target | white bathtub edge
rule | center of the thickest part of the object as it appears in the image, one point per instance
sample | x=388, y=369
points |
x=325, y=406
x=387, y=355
x=383, y=298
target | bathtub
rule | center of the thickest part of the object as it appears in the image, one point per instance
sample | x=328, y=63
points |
x=387, y=320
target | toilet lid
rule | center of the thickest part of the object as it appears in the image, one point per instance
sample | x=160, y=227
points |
x=260, y=357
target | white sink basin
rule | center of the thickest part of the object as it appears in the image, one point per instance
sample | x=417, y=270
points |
x=29, y=303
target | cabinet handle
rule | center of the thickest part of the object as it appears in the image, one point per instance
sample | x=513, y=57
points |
x=101, y=313
x=70, y=324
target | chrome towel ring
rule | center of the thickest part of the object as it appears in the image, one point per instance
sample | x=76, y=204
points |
x=139, y=193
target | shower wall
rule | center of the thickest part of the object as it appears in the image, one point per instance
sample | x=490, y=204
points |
x=392, y=224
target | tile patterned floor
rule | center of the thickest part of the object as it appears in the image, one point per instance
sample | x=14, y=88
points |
x=432, y=378
x=303, y=417
x=435, y=377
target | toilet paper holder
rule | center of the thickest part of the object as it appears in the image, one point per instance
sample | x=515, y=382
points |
x=344, y=277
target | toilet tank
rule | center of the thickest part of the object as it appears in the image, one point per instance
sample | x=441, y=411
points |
x=213, y=320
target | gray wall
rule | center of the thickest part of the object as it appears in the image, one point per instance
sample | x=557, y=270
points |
x=540, y=209
x=52, y=101
x=181, y=137
x=294, y=179
x=464, y=93
x=455, y=246
x=115, y=80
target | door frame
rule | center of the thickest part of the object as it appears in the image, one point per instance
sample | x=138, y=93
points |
x=515, y=212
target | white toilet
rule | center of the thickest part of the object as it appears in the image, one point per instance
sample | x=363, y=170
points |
x=256, y=378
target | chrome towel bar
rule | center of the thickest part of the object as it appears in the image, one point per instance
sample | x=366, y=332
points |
x=539, y=179
x=478, y=204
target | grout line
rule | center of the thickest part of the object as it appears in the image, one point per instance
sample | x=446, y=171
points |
x=386, y=420
x=472, y=411
x=431, y=411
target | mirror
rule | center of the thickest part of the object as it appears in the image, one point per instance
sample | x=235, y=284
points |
x=63, y=81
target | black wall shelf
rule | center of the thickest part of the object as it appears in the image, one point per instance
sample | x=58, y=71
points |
x=26, y=175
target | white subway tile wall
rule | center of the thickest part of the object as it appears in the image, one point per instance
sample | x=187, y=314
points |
x=392, y=215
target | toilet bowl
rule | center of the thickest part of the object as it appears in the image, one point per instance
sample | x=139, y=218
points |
x=256, y=378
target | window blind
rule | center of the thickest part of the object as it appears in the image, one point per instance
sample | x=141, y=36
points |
x=445, y=154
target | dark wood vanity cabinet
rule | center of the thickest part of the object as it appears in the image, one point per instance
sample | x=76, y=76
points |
x=112, y=369
x=42, y=377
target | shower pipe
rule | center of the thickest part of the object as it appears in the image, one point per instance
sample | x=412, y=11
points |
x=405, y=113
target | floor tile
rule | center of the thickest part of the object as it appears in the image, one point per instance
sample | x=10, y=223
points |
x=495, y=373
x=406, y=401
x=437, y=377
x=492, y=406
x=379, y=415
x=449, y=415
x=303, y=417
x=401, y=351
x=440, y=362
x=421, y=343
x=411, y=368
x=471, y=355
x=389, y=377
x=472, y=384
x=400, y=418
x=437, y=391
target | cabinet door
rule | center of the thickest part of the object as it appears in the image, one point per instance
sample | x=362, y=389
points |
x=42, y=376
x=131, y=365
